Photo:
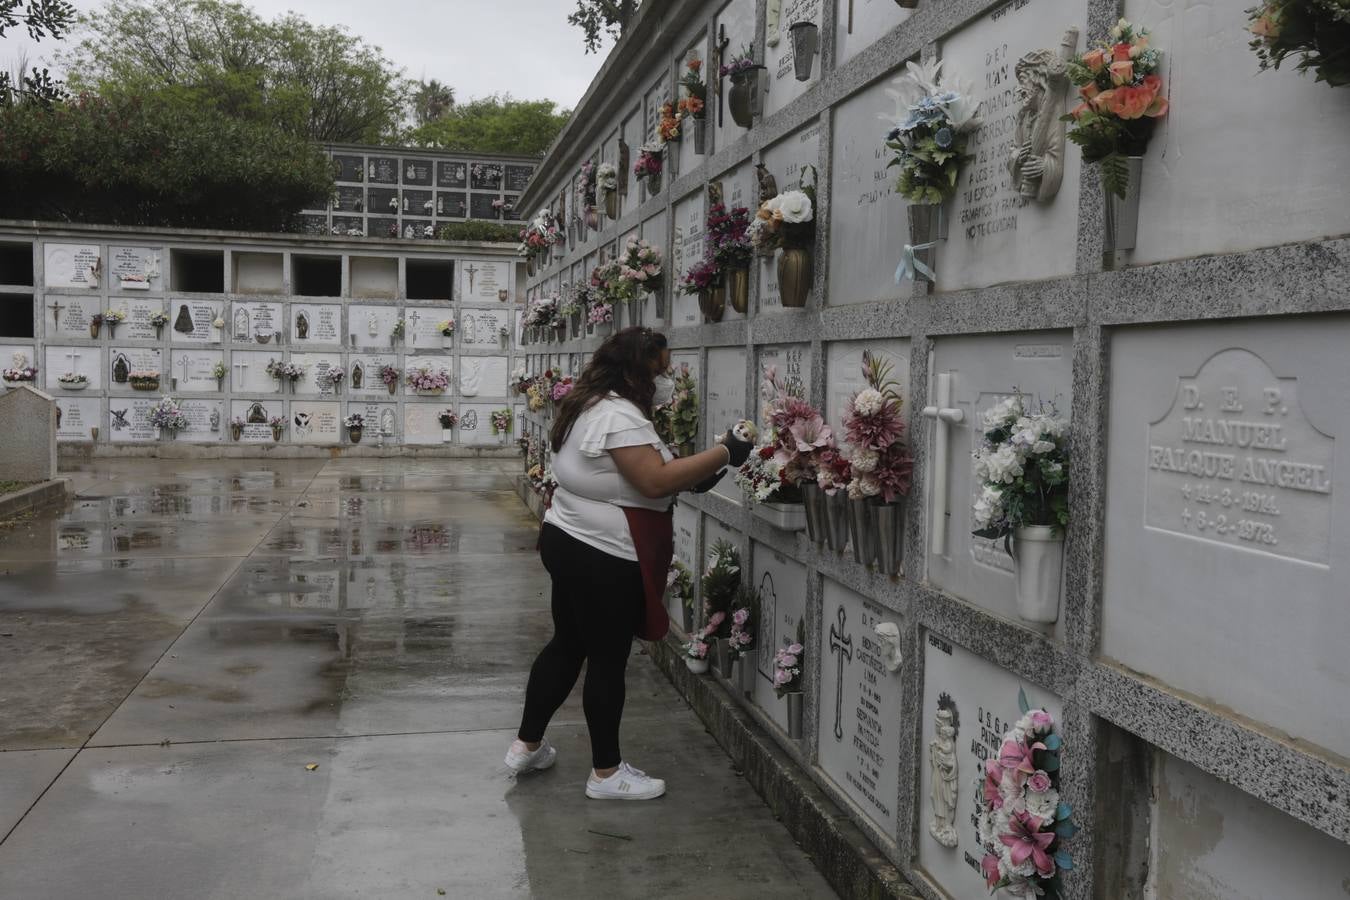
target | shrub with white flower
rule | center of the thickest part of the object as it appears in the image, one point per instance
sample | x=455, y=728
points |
x=1023, y=465
x=1022, y=821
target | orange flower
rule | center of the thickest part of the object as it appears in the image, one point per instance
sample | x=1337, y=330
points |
x=694, y=105
x=1122, y=72
x=1120, y=51
x=1103, y=100
x=1267, y=27
x=1089, y=90
x=1095, y=60
x=1079, y=111
x=1136, y=102
x=695, y=65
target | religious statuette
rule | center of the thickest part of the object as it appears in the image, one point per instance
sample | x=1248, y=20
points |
x=241, y=324
x=358, y=376
x=257, y=415
x=471, y=378
x=386, y=421
x=121, y=369
x=942, y=766
x=183, y=324
x=215, y=418
x=301, y=326
x=1037, y=160
x=888, y=636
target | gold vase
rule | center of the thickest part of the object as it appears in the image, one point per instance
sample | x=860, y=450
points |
x=796, y=272
x=738, y=289
x=713, y=303
x=612, y=204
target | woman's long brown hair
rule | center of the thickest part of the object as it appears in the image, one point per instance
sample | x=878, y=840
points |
x=623, y=366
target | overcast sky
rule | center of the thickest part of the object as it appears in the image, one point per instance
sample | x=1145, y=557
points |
x=480, y=47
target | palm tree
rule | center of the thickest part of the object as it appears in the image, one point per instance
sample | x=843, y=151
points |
x=431, y=100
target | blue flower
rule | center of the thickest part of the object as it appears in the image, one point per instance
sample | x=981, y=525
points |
x=944, y=138
x=893, y=134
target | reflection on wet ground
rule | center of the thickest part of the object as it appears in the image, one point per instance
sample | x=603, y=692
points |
x=186, y=637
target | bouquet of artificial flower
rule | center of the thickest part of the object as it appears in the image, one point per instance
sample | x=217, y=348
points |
x=218, y=371
x=695, y=100
x=1123, y=98
x=159, y=319
x=114, y=316
x=879, y=459
x=607, y=178
x=729, y=236
x=586, y=184
x=680, y=582
x=599, y=312
x=277, y=422
x=930, y=142
x=744, y=621
x=501, y=421
x=448, y=418
x=21, y=371
x=1022, y=821
x=697, y=648
x=168, y=415
x=355, y=420
x=641, y=265
x=702, y=276
x=649, y=162
x=389, y=375
x=739, y=63
x=668, y=124
x=73, y=378
x=721, y=581
x=426, y=378
x=787, y=665
x=787, y=220
x=446, y=328
x=794, y=434
x=1318, y=31
x=677, y=421
x=1023, y=463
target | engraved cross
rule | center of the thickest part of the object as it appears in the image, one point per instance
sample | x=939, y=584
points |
x=842, y=645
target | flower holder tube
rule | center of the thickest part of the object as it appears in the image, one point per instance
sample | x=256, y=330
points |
x=795, y=705
x=796, y=273
x=836, y=520
x=1038, y=560
x=722, y=656
x=738, y=289
x=861, y=532
x=813, y=498
x=700, y=135
x=1122, y=214
x=805, y=45
x=748, y=671
x=889, y=524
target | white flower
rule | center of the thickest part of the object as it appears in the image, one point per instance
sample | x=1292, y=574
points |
x=988, y=507
x=1004, y=465
x=772, y=204
x=1042, y=447
x=1026, y=869
x=795, y=207
x=864, y=460
x=868, y=402
x=868, y=486
x=1042, y=806
x=1003, y=413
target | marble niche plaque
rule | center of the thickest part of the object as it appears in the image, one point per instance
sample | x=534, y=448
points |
x=1238, y=836
x=248, y=372
x=786, y=161
x=483, y=280
x=1224, y=472
x=316, y=323
x=991, y=226
x=482, y=328
x=985, y=370
x=205, y=420
x=421, y=422
x=844, y=377
x=315, y=421
x=135, y=268
x=72, y=266
x=475, y=426
x=482, y=376
x=725, y=403
x=371, y=326
x=432, y=363
x=195, y=369
x=87, y=361
x=378, y=417
x=420, y=322
x=859, y=23
x=256, y=414
x=316, y=364
x=736, y=24
x=783, y=84
x=193, y=321
x=792, y=362
x=868, y=222
x=782, y=587
x=122, y=361
x=78, y=417
x=136, y=326
x=686, y=551
x=687, y=249
x=68, y=316
x=129, y=420
x=982, y=700
x=654, y=232
x=860, y=712
x=363, y=374
x=257, y=323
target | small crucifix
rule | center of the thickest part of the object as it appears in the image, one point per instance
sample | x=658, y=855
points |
x=719, y=55
x=184, y=364
x=471, y=270
x=56, y=307
x=843, y=645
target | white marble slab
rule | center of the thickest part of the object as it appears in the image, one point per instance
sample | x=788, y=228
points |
x=422, y=334
x=137, y=310
x=372, y=326
x=316, y=323
x=792, y=362
x=736, y=21
x=378, y=416
x=135, y=269
x=195, y=369
x=316, y=364
x=482, y=327
x=315, y=421
x=482, y=376
x=861, y=23
x=482, y=280
x=687, y=250
x=206, y=421
x=87, y=361
x=192, y=321
x=783, y=84
x=129, y=420
x=725, y=403
x=80, y=416
x=475, y=426
x=844, y=378
x=248, y=322
x=264, y=408
x=72, y=318
x=782, y=586
x=136, y=359
x=72, y=265
x=786, y=161
x=248, y=372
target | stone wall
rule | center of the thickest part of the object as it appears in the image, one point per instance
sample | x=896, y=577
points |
x=1194, y=662
x=241, y=301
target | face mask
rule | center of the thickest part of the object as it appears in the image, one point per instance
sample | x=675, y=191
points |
x=665, y=390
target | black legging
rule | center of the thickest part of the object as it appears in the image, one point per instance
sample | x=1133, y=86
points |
x=597, y=604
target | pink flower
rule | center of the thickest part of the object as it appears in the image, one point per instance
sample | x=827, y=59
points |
x=810, y=433
x=1122, y=72
x=1017, y=756
x=993, y=777
x=1041, y=720
x=795, y=649
x=1095, y=60
x=1039, y=782
x=989, y=866
x=788, y=661
x=716, y=619
x=740, y=616
x=780, y=677
x=1027, y=841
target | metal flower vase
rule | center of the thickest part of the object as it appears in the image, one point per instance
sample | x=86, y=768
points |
x=722, y=656
x=1038, y=561
x=687, y=618
x=795, y=706
x=814, y=500
x=576, y=324
x=612, y=204
x=738, y=289
x=1122, y=215
x=860, y=531
x=653, y=184
x=700, y=135
x=660, y=301
x=805, y=45
x=712, y=303
x=743, y=98
x=889, y=522
x=747, y=672
x=836, y=520
x=927, y=226
x=796, y=272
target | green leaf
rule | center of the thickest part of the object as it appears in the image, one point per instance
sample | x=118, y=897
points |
x=1022, y=703
x=1115, y=174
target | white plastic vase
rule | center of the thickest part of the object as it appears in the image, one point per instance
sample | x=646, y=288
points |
x=697, y=666
x=1038, y=561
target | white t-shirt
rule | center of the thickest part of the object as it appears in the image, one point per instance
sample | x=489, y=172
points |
x=590, y=492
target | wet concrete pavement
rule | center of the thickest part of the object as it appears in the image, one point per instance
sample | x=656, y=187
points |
x=179, y=644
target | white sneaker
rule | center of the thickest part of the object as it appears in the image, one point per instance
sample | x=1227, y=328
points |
x=626, y=784
x=522, y=759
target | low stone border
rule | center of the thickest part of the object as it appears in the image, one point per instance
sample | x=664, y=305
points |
x=85, y=451
x=34, y=497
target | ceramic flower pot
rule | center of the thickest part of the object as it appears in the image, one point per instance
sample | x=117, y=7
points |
x=236, y=432
x=697, y=666
x=743, y=99
x=796, y=272
x=805, y=45
x=795, y=706
x=700, y=135
x=836, y=520
x=888, y=521
x=860, y=532
x=1122, y=215
x=813, y=498
x=738, y=289
x=612, y=205
x=1038, y=561
x=722, y=656
x=712, y=303
x=355, y=432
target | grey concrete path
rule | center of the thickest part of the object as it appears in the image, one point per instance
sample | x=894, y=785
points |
x=181, y=645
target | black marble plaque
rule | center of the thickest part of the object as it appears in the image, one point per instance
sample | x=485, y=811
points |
x=452, y=174
x=418, y=203
x=480, y=207
x=382, y=170
x=351, y=226
x=517, y=177
x=417, y=171
x=452, y=205
x=349, y=168
x=350, y=200
x=382, y=227
x=419, y=228
x=313, y=224
x=485, y=176
x=382, y=202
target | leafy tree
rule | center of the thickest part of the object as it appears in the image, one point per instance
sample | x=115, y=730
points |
x=311, y=80
x=167, y=158
x=479, y=230
x=596, y=16
x=496, y=124
x=40, y=18
x=431, y=100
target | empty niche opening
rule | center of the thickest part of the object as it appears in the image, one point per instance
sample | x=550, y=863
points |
x=374, y=276
x=316, y=276
x=16, y=317
x=198, y=271
x=430, y=279
x=16, y=264
x=258, y=273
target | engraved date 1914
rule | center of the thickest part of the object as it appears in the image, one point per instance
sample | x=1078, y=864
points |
x=1244, y=501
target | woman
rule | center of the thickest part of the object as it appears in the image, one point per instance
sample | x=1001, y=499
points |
x=616, y=482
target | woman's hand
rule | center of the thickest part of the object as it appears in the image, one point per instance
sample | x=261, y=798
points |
x=644, y=468
x=738, y=449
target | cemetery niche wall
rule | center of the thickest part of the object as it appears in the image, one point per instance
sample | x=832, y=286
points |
x=110, y=322
x=1180, y=341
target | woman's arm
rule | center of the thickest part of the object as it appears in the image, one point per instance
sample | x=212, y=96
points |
x=644, y=468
